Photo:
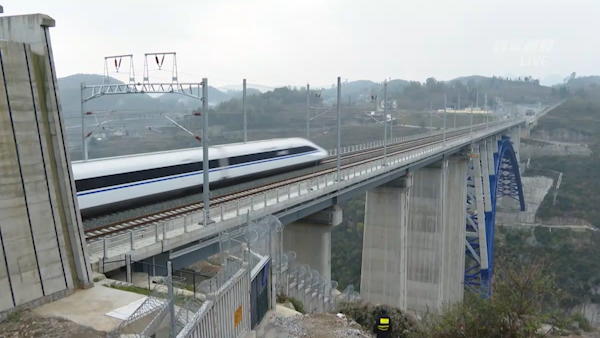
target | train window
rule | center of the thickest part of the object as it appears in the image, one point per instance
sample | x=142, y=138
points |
x=142, y=175
x=268, y=155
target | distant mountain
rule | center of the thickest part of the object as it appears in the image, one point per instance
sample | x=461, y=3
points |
x=70, y=96
x=584, y=81
x=466, y=79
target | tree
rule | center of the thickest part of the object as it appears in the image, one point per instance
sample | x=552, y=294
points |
x=430, y=83
x=524, y=297
x=563, y=92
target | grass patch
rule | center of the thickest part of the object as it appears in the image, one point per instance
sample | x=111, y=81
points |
x=15, y=316
x=131, y=288
x=180, y=299
x=188, y=287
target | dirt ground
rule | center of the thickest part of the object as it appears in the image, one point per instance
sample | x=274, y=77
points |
x=329, y=326
x=29, y=325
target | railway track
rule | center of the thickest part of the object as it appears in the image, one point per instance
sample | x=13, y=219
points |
x=164, y=215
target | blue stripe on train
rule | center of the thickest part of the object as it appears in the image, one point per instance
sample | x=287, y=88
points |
x=191, y=174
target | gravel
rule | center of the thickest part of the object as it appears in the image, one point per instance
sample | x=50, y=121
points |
x=313, y=326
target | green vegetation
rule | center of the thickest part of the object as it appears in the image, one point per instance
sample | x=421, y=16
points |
x=524, y=297
x=15, y=316
x=346, y=244
x=180, y=299
x=131, y=288
x=574, y=255
x=524, y=300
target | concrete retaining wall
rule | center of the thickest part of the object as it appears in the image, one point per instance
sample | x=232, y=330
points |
x=42, y=248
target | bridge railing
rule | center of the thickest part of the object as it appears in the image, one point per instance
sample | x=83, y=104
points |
x=227, y=215
x=397, y=140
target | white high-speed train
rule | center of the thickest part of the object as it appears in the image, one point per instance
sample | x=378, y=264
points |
x=117, y=183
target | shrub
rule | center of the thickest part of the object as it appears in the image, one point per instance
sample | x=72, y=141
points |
x=524, y=297
x=583, y=322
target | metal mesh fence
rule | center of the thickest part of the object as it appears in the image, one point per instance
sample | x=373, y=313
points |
x=168, y=303
x=173, y=310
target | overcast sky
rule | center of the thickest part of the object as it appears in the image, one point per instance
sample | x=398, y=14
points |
x=280, y=42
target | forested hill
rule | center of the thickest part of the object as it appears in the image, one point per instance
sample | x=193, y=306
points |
x=412, y=95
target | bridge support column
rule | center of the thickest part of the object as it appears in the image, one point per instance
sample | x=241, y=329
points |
x=310, y=238
x=455, y=204
x=516, y=140
x=426, y=244
x=436, y=235
x=384, y=260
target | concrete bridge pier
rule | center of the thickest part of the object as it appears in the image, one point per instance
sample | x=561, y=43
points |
x=385, y=243
x=426, y=242
x=310, y=238
x=414, y=238
x=455, y=205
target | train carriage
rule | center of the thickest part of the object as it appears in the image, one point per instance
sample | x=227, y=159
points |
x=111, y=184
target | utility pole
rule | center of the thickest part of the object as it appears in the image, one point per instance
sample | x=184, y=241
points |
x=471, y=121
x=308, y=111
x=455, y=119
x=244, y=108
x=392, y=126
x=444, y=143
x=487, y=115
x=171, y=302
x=431, y=117
x=458, y=108
x=84, y=152
x=384, y=121
x=339, y=126
x=205, y=158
